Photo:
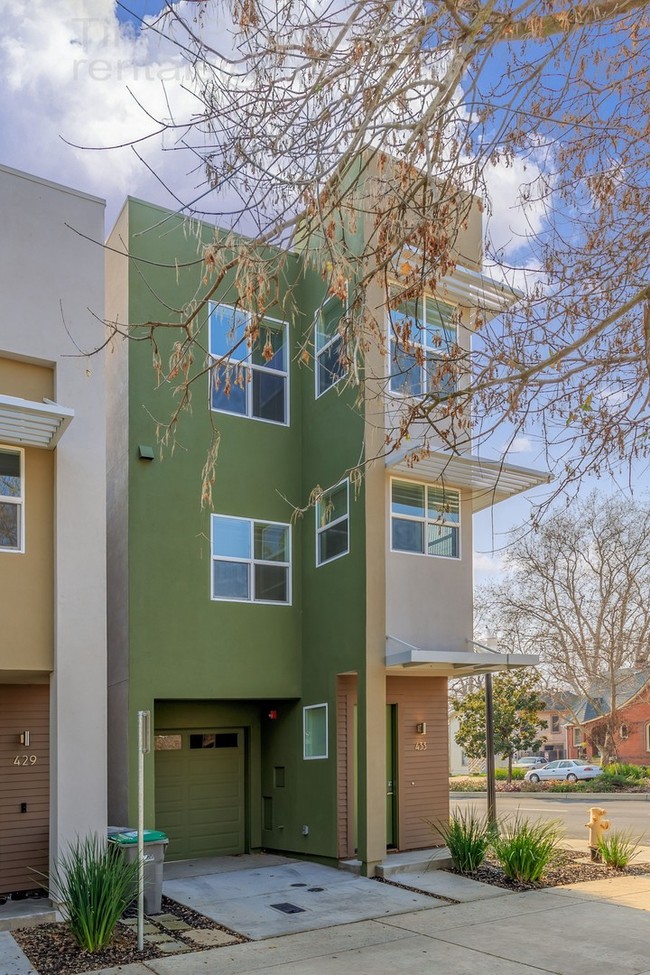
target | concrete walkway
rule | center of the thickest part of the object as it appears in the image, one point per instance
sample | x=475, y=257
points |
x=596, y=928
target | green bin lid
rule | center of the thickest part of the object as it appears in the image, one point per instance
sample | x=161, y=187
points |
x=131, y=836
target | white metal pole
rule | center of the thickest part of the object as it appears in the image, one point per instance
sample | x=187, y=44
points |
x=143, y=746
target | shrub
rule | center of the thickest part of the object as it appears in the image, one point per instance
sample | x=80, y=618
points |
x=618, y=848
x=468, y=837
x=636, y=773
x=93, y=884
x=501, y=774
x=524, y=849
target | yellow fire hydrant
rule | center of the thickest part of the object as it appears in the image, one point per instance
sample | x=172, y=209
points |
x=597, y=825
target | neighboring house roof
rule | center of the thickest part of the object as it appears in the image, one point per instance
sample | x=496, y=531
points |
x=560, y=701
x=598, y=701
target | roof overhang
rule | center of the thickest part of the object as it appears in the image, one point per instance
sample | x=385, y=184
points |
x=465, y=286
x=488, y=481
x=30, y=424
x=404, y=658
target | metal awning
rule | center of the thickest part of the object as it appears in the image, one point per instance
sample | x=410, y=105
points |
x=478, y=290
x=403, y=657
x=30, y=424
x=488, y=481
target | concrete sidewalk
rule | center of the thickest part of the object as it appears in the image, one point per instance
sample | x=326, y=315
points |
x=596, y=928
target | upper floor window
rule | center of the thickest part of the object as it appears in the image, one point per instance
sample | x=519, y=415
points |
x=422, y=333
x=555, y=723
x=333, y=523
x=12, y=494
x=251, y=377
x=251, y=560
x=425, y=519
x=329, y=344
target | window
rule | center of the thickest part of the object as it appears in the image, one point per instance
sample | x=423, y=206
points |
x=314, y=728
x=422, y=334
x=577, y=736
x=12, y=494
x=248, y=381
x=251, y=560
x=647, y=737
x=555, y=723
x=333, y=523
x=329, y=345
x=425, y=519
x=625, y=732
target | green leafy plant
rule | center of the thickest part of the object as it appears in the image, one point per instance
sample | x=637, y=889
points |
x=619, y=848
x=626, y=771
x=524, y=848
x=93, y=884
x=501, y=774
x=467, y=837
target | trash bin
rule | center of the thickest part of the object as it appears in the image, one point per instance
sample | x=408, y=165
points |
x=155, y=844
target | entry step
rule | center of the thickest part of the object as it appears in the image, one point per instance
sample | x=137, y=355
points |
x=437, y=858
x=25, y=913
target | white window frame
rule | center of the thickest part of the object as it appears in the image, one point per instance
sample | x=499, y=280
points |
x=247, y=367
x=555, y=724
x=314, y=707
x=624, y=732
x=19, y=502
x=578, y=740
x=325, y=348
x=251, y=562
x=433, y=351
x=322, y=527
x=647, y=737
x=426, y=520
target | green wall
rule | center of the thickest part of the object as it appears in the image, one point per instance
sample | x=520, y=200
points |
x=184, y=646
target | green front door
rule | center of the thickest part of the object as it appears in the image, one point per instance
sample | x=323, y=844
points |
x=200, y=792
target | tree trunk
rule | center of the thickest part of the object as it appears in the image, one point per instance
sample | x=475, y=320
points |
x=509, y=769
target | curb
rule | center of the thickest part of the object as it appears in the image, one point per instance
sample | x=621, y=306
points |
x=562, y=796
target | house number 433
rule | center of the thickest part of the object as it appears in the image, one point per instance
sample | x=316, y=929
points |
x=25, y=760
x=420, y=746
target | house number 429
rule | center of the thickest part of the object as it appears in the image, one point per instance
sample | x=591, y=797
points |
x=25, y=760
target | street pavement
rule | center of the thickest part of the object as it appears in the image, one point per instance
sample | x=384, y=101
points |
x=596, y=928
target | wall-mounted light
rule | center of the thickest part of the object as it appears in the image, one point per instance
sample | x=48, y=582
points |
x=24, y=738
x=145, y=452
x=421, y=728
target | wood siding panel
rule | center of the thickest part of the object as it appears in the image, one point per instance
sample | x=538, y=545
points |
x=422, y=772
x=345, y=701
x=24, y=837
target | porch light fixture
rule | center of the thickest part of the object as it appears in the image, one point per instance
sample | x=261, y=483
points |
x=24, y=738
x=421, y=728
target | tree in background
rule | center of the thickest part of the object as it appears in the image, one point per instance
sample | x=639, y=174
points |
x=315, y=122
x=516, y=705
x=577, y=594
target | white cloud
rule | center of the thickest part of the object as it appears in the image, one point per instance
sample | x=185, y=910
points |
x=518, y=445
x=74, y=77
x=488, y=563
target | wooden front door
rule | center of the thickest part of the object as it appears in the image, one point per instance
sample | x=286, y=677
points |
x=24, y=786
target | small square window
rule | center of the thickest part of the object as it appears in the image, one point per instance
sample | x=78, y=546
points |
x=251, y=560
x=250, y=375
x=315, y=731
x=333, y=524
x=423, y=336
x=425, y=519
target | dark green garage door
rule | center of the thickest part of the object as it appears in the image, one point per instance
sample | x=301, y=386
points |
x=200, y=795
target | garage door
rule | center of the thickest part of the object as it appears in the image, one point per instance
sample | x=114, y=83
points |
x=24, y=786
x=200, y=792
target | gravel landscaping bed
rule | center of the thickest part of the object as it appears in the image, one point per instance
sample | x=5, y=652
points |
x=52, y=950
x=569, y=868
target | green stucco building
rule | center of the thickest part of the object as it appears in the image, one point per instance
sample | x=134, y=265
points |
x=295, y=667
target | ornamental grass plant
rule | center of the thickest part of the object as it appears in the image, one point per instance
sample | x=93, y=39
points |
x=619, y=848
x=93, y=884
x=524, y=848
x=467, y=836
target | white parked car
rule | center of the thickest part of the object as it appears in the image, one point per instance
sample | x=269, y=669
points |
x=529, y=761
x=569, y=769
